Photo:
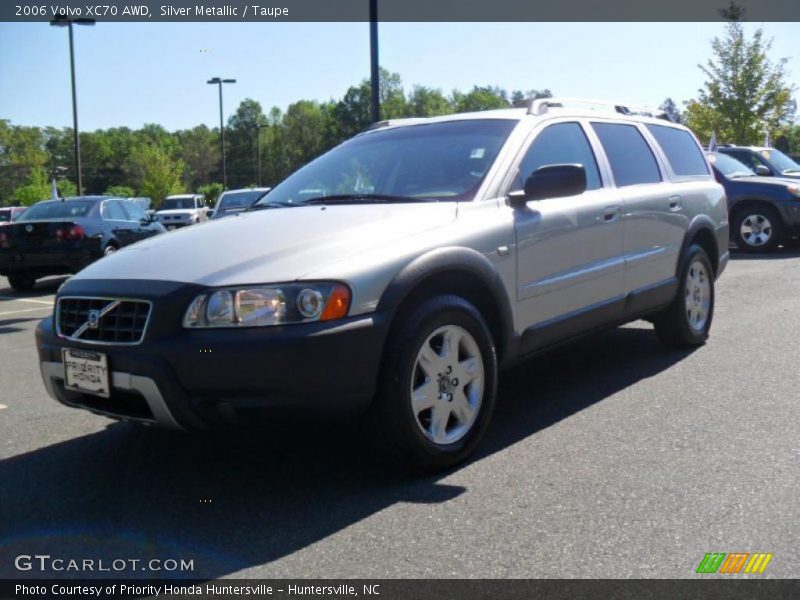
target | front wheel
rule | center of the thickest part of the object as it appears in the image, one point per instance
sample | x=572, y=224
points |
x=437, y=387
x=687, y=321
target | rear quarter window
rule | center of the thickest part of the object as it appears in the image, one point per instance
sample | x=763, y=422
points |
x=632, y=162
x=681, y=150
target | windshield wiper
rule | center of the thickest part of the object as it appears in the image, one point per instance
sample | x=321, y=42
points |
x=365, y=199
x=266, y=205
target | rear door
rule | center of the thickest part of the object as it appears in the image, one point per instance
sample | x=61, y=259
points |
x=569, y=264
x=123, y=230
x=654, y=225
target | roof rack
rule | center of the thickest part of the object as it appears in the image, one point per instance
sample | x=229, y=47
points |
x=542, y=105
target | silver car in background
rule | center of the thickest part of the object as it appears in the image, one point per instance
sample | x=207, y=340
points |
x=232, y=202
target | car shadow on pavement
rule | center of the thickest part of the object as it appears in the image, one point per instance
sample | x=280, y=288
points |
x=7, y=325
x=44, y=287
x=231, y=501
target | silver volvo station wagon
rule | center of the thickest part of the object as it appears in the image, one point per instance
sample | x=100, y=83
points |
x=394, y=277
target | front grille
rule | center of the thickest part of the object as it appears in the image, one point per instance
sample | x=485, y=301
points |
x=102, y=320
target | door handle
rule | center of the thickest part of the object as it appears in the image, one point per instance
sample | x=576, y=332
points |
x=675, y=203
x=610, y=214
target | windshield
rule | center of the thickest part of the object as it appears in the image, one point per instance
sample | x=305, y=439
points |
x=59, y=210
x=780, y=161
x=729, y=166
x=177, y=203
x=438, y=161
x=232, y=200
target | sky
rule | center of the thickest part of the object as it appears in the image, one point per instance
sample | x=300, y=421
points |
x=129, y=74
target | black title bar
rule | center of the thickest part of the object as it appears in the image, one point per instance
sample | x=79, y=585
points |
x=396, y=10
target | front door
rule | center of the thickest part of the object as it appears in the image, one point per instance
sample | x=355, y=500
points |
x=570, y=268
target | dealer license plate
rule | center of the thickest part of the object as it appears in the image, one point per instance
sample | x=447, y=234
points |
x=86, y=371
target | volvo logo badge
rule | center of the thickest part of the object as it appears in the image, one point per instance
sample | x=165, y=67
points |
x=93, y=319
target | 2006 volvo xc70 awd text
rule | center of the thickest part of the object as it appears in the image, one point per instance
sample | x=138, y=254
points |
x=395, y=275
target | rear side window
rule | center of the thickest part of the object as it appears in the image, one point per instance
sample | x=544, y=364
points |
x=112, y=211
x=632, y=161
x=563, y=143
x=682, y=152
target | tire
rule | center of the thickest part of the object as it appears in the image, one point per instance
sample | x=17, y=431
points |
x=687, y=321
x=110, y=249
x=22, y=283
x=757, y=228
x=456, y=391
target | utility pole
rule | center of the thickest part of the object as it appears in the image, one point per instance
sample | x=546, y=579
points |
x=218, y=82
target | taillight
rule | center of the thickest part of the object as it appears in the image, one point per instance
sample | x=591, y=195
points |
x=59, y=234
x=75, y=233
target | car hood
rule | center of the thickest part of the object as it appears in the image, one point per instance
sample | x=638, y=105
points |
x=177, y=211
x=273, y=245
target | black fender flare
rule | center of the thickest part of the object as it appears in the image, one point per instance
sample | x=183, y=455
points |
x=448, y=259
x=698, y=224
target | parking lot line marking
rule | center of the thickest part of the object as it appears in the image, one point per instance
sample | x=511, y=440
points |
x=13, y=312
x=49, y=303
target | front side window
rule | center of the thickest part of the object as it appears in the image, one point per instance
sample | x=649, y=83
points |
x=683, y=153
x=632, y=162
x=563, y=143
x=233, y=200
x=432, y=161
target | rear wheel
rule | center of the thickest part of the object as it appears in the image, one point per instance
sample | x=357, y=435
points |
x=687, y=321
x=437, y=387
x=757, y=229
x=22, y=283
x=110, y=249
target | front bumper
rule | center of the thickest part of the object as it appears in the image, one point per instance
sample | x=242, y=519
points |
x=194, y=379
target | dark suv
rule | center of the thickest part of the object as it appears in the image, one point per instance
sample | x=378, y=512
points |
x=764, y=211
x=767, y=162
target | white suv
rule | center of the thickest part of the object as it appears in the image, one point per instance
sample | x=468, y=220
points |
x=181, y=210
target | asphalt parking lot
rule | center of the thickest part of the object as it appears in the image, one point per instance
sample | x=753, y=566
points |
x=613, y=457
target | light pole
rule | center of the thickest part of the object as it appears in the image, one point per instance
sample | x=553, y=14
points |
x=218, y=82
x=258, y=149
x=374, y=65
x=62, y=20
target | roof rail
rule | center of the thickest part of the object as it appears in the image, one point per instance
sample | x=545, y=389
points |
x=389, y=122
x=542, y=105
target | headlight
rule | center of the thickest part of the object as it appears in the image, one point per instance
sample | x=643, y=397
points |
x=262, y=306
x=794, y=190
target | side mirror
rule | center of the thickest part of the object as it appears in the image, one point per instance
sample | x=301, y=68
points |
x=551, y=181
x=763, y=170
x=210, y=213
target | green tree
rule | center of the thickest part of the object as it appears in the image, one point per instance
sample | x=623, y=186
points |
x=427, y=102
x=242, y=166
x=200, y=153
x=304, y=133
x=211, y=191
x=35, y=189
x=66, y=188
x=745, y=93
x=21, y=151
x=480, y=98
x=520, y=99
x=157, y=174
x=120, y=191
